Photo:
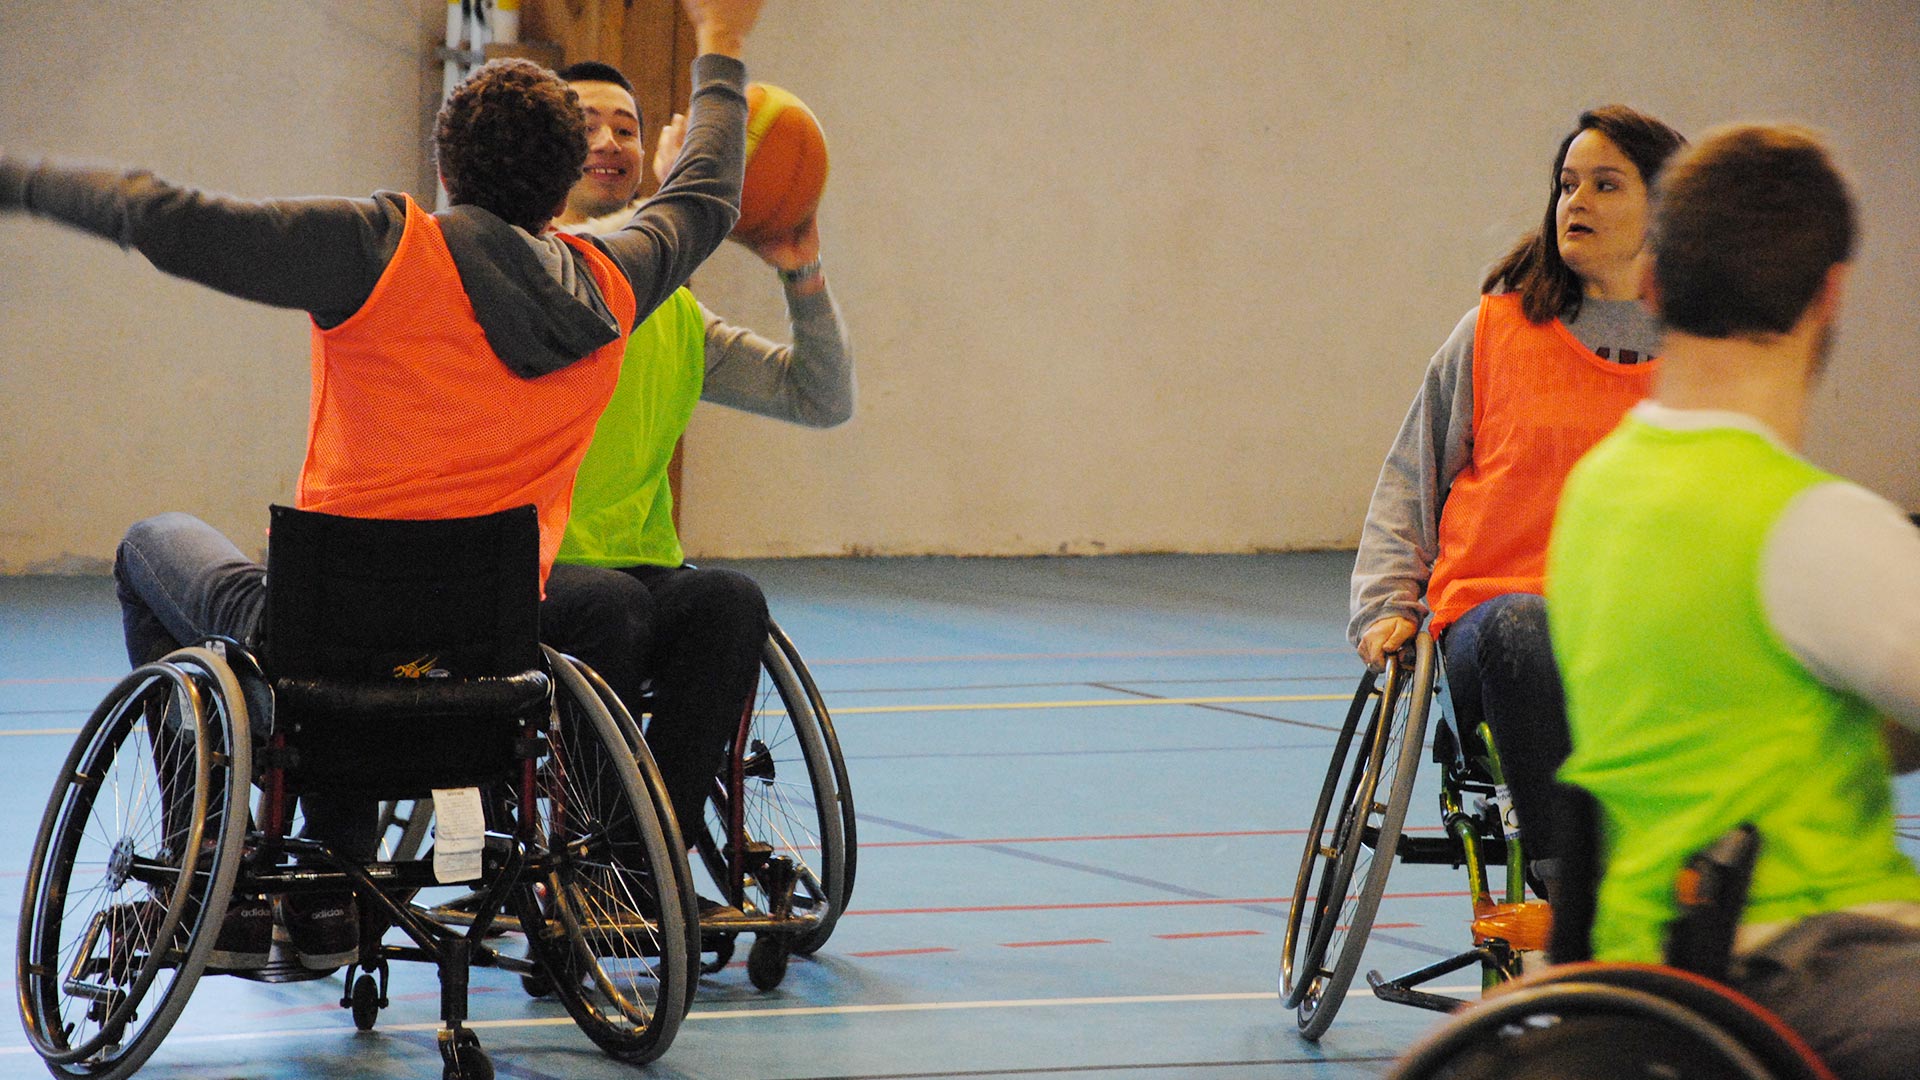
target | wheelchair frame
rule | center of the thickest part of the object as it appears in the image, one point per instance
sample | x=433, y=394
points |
x=1375, y=761
x=97, y=1002
x=782, y=852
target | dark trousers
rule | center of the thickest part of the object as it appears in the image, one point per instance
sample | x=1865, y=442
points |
x=700, y=633
x=1500, y=668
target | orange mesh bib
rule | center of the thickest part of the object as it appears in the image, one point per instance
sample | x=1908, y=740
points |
x=414, y=417
x=1540, y=401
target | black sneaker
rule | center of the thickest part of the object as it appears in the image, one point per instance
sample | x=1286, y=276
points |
x=132, y=932
x=324, y=928
x=246, y=935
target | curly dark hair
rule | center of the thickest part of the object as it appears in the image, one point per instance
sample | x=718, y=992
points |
x=511, y=139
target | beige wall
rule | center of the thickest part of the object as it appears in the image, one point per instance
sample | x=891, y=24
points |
x=1122, y=275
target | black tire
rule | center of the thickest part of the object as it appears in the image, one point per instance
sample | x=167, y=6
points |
x=366, y=1002
x=662, y=808
x=537, y=984
x=467, y=1061
x=767, y=961
x=1361, y=845
x=1625, y=1019
x=611, y=929
x=849, y=829
x=118, y=868
x=1303, y=949
x=790, y=799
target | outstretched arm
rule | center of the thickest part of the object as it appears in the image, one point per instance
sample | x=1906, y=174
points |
x=320, y=255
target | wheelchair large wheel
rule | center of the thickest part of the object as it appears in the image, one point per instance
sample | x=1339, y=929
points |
x=1591, y=1021
x=133, y=865
x=789, y=799
x=609, y=921
x=848, y=827
x=1328, y=925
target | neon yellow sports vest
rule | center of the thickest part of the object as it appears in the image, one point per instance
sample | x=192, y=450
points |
x=622, y=504
x=1688, y=715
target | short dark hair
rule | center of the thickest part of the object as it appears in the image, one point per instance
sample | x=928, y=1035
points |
x=1548, y=287
x=511, y=139
x=595, y=71
x=1745, y=228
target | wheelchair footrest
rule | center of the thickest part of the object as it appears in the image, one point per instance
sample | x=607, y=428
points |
x=1401, y=991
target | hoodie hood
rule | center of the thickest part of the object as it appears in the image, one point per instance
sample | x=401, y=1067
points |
x=538, y=304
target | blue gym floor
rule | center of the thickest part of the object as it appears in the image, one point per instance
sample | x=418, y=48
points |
x=1081, y=784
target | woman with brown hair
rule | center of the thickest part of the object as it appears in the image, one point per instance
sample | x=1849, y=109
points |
x=1557, y=350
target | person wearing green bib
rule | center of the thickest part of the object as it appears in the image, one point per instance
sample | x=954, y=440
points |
x=703, y=628
x=1738, y=631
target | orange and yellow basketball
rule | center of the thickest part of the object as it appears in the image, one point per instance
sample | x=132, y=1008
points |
x=786, y=165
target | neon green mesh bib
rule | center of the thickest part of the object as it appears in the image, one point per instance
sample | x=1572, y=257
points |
x=1688, y=715
x=622, y=505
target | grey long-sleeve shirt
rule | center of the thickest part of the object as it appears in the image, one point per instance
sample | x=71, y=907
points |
x=809, y=382
x=325, y=255
x=1401, y=537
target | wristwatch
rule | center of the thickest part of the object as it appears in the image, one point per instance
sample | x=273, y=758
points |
x=798, y=274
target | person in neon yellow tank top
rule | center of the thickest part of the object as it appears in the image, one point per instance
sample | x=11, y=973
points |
x=702, y=629
x=1739, y=631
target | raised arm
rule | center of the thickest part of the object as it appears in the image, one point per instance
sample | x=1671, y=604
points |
x=1401, y=536
x=695, y=208
x=809, y=382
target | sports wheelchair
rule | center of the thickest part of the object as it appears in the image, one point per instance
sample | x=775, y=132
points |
x=148, y=834
x=1356, y=837
x=1582, y=1020
x=778, y=837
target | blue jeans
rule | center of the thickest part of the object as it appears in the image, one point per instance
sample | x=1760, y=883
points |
x=180, y=582
x=1500, y=669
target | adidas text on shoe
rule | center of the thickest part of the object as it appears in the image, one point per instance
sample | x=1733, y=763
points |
x=324, y=929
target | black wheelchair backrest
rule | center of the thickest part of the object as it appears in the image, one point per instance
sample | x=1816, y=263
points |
x=363, y=598
x=405, y=655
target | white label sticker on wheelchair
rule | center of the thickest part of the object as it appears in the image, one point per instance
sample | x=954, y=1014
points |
x=459, y=834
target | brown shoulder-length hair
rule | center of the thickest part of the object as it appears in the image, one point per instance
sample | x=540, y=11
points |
x=1548, y=287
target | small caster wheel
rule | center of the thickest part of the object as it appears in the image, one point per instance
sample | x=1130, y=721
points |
x=366, y=1002
x=537, y=984
x=722, y=950
x=464, y=1058
x=767, y=961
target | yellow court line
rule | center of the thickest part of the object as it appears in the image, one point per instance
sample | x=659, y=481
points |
x=1261, y=699
x=986, y=706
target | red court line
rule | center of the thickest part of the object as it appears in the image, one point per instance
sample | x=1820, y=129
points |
x=977, y=657
x=61, y=681
x=1049, y=944
x=900, y=952
x=1210, y=933
x=1115, y=904
x=866, y=845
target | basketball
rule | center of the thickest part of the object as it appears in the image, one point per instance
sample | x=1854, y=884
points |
x=786, y=165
